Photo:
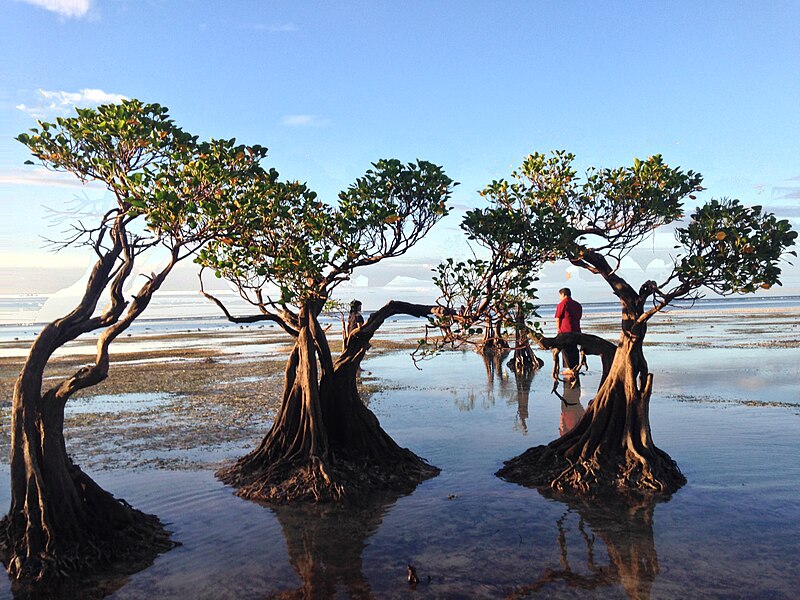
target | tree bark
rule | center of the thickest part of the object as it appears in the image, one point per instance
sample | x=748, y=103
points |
x=611, y=448
x=325, y=444
x=523, y=361
x=588, y=343
x=61, y=523
x=294, y=459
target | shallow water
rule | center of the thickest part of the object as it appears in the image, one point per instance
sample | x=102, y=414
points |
x=730, y=533
x=105, y=403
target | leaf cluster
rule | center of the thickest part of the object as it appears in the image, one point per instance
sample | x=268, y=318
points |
x=109, y=143
x=732, y=248
x=190, y=191
x=388, y=210
x=283, y=237
x=280, y=234
x=610, y=211
x=151, y=166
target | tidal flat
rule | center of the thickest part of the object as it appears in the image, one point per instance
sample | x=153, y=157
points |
x=725, y=406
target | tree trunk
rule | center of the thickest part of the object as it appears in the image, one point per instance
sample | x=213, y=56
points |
x=523, y=361
x=325, y=444
x=493, y=341
x=611, y=448
x=294, y=459
x=61, y=523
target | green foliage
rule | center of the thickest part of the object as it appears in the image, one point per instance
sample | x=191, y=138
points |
x=282, y=237
x=190, y=189
x=279, y=233
x=555, y=215
x=152, y=167
x=611, y=211
x=110, y=143
x=731, y=248
x=388, y=210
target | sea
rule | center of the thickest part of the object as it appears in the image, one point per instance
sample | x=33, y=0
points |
x=23, y=316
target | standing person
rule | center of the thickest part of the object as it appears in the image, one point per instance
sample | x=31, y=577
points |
x=355, y=319
x=568, y=320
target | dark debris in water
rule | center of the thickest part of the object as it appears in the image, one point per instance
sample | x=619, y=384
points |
x=736, y=401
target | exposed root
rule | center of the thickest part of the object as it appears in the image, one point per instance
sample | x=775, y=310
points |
x=618, y=472
x=611, y=448
x=342, y=480
x=524, y=361
x=113, y=550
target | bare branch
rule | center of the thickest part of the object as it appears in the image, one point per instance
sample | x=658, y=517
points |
x=264, y=316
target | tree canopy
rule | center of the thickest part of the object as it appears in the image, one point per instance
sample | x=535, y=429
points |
x=286, y=247
x=60, y=521
x=594, y=222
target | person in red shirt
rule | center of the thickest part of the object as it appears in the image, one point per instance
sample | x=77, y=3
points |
x=568, y=319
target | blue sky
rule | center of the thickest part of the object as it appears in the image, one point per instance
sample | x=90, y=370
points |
x=330, y=87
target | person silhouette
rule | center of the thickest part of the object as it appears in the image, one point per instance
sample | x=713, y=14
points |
x=568, y=320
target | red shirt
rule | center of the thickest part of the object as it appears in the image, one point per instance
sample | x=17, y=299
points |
x=570, y=312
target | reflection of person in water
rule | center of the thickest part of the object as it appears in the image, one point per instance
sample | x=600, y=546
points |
x=571, y=408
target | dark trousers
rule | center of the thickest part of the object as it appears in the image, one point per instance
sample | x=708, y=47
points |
x=571, y=356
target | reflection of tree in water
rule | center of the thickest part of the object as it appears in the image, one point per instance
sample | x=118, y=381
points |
x=498, y=380
x=523, y=380
x=325, y=542
x=624, y=525
x=495, y=376
x=91, y=587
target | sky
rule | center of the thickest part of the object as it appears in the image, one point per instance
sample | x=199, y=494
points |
x=330, y=87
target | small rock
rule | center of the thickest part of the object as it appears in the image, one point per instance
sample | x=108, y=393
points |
x=412, y=576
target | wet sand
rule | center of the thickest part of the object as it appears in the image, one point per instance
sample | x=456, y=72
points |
x=184, y=409
x=725, y=406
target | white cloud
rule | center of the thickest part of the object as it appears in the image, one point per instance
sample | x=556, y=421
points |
x=57, y=103
x=40, y=177
x=303, y=121
x=65, y=8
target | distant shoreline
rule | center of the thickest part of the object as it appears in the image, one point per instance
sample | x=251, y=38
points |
x=24, y=310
